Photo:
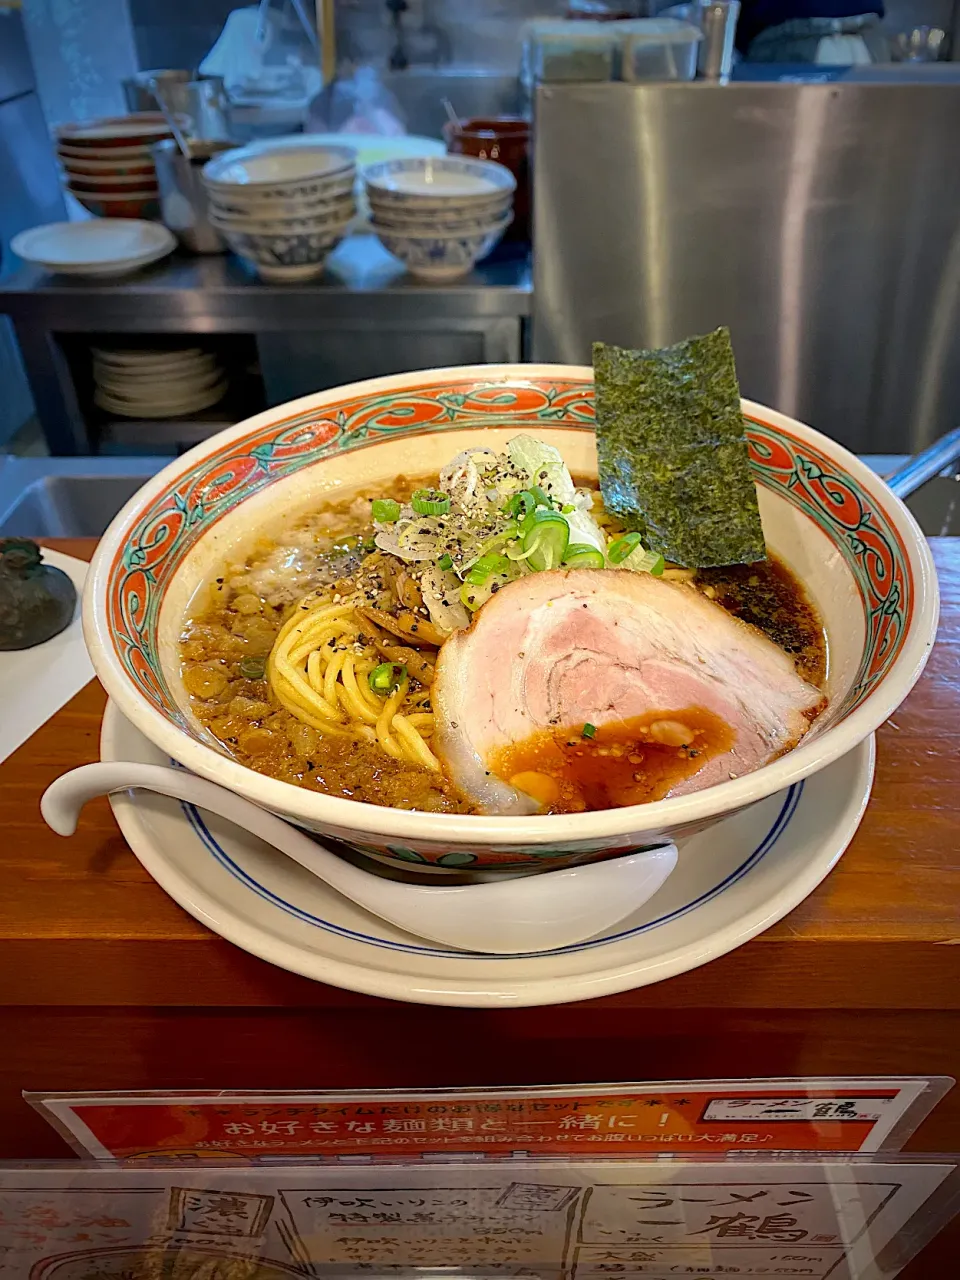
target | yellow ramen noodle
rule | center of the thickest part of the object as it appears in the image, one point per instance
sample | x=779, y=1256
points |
x=319, y=670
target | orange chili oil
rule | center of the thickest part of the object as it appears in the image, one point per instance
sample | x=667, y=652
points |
x=625, y=762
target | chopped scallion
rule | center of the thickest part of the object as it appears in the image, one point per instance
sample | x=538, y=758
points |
x=520, y=504
x=588, y=731
x=387, y=677
x=385, y=510
x=545, y=538
x=541, y=497
x=618, y=551
x=430, y=502
x=445, y=562
x=580, y=555
x=485, y=567
x=252, y=668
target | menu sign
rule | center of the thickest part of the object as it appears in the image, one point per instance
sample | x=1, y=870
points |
x=588, y=1121
x=852, y=1218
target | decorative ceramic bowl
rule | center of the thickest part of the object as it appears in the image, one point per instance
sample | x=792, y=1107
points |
x=334, y=214
x=108, y=132
x=435, y=255
x=99, y=185
x=438, y=222
x=437, y=182
x=109, y=156
x=138, y=166
x=236, y=202
x=285, y=255
x=855, y=546
x=144, y=205
x=259, y=174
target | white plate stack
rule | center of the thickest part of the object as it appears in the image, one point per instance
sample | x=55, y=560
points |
x=283, y=208
x=442, y=214
x=156, y=383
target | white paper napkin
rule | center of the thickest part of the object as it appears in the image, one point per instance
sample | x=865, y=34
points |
x=35, y=683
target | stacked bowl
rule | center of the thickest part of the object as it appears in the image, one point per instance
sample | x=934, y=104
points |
x=107, y=165
x=282, y=208
x=441, y=214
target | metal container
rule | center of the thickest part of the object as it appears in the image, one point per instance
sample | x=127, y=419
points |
x=199, y=102
x=206, y=107
x=718, y=21
x=183, y=197
x=139, y=95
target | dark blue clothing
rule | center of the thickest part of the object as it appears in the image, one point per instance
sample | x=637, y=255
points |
x=758, y=15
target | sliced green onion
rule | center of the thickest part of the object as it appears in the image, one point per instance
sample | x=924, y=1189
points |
x=430, y=502
x=618, y=551
x=519, y=504
x=473, y=596
x=387, y=677
x=545, y=541
x=567, y=508
x=650, y=562
x=252, y=668
x=541, y=497
x=588, y=731
x=580, y=555
x=386, y=510
x=534, y=517
x=445, y=562
x=486, y=567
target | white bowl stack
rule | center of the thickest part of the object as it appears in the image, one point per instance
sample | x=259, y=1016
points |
x=156, y=383
x=441, y=214
x=283, y=208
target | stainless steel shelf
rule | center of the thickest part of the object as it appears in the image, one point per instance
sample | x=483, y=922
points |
x=365, y=316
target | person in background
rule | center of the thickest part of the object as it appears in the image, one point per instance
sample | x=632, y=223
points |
x=825, y=32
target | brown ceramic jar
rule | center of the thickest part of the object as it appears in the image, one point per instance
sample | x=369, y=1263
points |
x=506, y=140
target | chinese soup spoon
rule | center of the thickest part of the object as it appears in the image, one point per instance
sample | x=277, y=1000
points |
x=521, y=914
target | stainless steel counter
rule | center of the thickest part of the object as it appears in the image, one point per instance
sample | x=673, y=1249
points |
x=364, y=317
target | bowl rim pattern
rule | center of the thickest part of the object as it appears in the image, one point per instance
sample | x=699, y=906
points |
x=338, y=161
x=146, y=543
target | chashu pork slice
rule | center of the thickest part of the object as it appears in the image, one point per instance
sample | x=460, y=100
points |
x=568, y=648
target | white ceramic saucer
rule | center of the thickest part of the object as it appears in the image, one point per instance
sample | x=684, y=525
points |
x=94, y=247
x=731, y=883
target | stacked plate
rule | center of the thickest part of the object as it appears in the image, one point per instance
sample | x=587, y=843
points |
x=156, y=383
x=283, y=207
x=107, y=164
x=441, y=214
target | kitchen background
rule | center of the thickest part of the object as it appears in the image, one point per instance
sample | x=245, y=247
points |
x=896, y=387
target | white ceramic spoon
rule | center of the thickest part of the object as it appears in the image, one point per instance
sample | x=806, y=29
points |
x=523, y=913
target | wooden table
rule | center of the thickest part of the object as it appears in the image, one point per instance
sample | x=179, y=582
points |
x=106, y=983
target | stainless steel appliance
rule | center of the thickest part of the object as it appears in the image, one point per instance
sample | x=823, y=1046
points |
x=29, y=194
x=818, y=221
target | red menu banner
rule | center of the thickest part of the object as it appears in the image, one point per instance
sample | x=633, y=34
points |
x=567, y=1121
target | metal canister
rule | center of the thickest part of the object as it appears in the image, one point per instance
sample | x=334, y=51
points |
x=718, y=22
x=183, y=197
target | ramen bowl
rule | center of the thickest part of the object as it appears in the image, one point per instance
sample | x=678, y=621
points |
x=854, y=546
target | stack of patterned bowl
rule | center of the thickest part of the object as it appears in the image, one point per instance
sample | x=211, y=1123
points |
x=107, y=165
x=442, y=214
x=283, y=208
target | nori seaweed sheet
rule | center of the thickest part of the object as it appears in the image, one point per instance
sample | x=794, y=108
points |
x=673, y=450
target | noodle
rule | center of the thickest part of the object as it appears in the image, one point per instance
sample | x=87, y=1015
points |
x=319, y=670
